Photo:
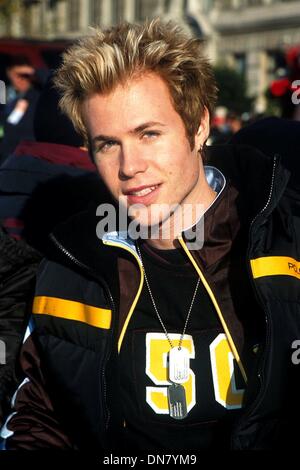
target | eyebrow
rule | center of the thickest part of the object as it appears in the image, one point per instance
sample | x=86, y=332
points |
x=136, y=130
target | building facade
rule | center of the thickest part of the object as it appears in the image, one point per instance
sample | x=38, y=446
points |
x=50, y=19
x=249, y=35
x=252, y=35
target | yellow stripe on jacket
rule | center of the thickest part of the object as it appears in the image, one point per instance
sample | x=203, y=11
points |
x=71, y=310
x=275, y=266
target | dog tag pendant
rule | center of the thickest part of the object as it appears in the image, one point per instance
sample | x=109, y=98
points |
x=177, y=401
x=179, y=365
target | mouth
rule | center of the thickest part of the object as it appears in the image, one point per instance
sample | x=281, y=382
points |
x=142, y=194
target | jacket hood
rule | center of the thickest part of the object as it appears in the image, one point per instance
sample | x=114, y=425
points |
x=252, y=173
x=273, y=135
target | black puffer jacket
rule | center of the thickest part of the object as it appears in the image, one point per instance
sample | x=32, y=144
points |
x=18, y=265
x=85, y=295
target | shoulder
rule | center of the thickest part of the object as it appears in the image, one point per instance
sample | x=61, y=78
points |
x=67, y=303
x=274, y=136
x=16, y=253
x=57, y=279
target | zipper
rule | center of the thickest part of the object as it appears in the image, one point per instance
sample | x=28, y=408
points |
x=108, y=293
x=263, y=358
x=270, y=194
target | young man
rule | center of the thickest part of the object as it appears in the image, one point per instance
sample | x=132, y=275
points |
x=162, y=341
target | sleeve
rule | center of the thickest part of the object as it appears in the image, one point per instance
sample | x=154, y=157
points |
x=33, y=424
x=18, y=266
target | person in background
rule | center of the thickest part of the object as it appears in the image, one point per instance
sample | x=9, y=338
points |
x=20, y=74
x=176, y=332
x=16, y=117
x=234, y=122
x=219, y=130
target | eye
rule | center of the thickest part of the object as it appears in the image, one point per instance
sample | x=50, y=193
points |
x=106, y=146
x=150, y=135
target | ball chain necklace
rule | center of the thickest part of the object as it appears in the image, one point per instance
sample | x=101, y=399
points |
x=179, y=361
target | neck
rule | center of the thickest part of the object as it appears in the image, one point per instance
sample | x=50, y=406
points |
x=182, y=219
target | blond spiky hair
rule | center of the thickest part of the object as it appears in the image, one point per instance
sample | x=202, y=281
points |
x=101, y=61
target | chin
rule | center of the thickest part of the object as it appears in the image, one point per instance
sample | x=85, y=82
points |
x=154, y=227
x=153, y=216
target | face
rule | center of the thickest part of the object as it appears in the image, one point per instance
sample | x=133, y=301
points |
x=141, y=148
x=20, y=77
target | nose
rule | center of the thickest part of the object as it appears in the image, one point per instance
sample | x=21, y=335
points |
x=132, y=161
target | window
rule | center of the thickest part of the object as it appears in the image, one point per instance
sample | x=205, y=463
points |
x=276, y=64
x=225, y=4
x=240, y=63
x=73, y=14
x=95, y=12
x=28, y=3
x=254, y=3
x=117, y=10
x=145, y=9
x=167, y=4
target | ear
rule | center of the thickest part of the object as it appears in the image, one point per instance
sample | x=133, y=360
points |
x=203, y=130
